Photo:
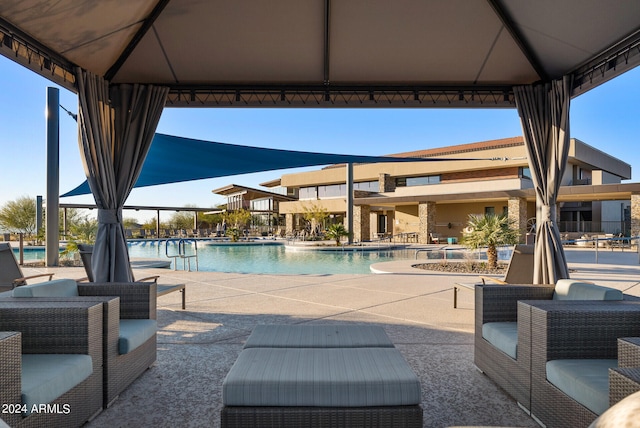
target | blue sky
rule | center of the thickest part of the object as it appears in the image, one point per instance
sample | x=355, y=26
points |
x=607, y=117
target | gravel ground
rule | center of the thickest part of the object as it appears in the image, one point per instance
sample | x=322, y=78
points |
x=463, y=267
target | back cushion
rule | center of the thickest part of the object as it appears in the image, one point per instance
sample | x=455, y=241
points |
x=567, y=289
x=55, y=288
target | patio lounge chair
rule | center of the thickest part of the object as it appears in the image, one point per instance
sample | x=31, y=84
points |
x=51, y=355
x=503, y=344
x=86, y=252
x=575, y=348
x=130, y=327
x=519, y=271
x=10, y=274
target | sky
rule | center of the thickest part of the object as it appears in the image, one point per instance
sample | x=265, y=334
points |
x=607, y=118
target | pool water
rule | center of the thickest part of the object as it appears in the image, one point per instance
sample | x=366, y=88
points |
x=273, y=259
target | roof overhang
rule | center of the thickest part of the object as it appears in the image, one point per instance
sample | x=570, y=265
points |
x=603, y=192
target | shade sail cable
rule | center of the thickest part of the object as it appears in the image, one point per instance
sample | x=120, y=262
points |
x=174, y=159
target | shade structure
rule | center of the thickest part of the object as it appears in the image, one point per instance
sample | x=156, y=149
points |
x=326, y=53
x=544, y=115
x=174, y=159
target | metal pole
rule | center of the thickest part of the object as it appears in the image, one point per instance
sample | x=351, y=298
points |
x=38, y=215
x=350, y=201
x=53, y=177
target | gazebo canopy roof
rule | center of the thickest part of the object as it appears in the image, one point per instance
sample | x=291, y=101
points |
x=326, y=53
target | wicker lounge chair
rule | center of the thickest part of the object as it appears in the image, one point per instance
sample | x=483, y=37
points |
x=86, y=252
x=10, y=274
x=125, y=305
x=505, y=359
x=28, y=328
x=519, y=271
x=577, y=333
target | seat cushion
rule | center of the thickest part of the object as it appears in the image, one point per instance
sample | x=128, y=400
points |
x=321, y=377
x=586, y=381
x=55, y=288
x=318, y=336
x=568, y=289
x=502, y=335
x=46, y=377
x=134, y=333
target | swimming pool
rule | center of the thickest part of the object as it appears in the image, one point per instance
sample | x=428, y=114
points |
x=272, y=258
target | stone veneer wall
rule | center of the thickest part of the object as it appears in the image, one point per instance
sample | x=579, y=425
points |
x=635, y=214
x=361, y=229
x=288, y=223
x=386, y=183
x=427, y=218
x=517, y=211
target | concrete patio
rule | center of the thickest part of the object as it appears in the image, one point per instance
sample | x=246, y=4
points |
x=197, y=346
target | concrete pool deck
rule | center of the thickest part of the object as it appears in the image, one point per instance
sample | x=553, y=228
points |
x=198, y=346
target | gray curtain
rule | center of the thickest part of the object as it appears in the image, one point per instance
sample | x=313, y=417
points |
x=116, y=125
x=544, y=115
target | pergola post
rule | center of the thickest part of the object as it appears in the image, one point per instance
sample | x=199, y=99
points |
x=52, y=243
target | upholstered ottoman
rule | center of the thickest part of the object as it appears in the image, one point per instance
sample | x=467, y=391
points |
x=318, y=336
x=321, y=387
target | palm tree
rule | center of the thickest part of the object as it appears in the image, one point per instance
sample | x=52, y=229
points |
x=489, y=230
x=336, y=231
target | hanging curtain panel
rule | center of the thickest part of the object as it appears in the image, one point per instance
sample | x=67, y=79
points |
x=544, y=115
x=117, y=124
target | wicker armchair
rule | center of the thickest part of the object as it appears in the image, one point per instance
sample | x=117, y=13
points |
x=121, y=301
x=30, y=327
x=499, y=303
x=573, y=330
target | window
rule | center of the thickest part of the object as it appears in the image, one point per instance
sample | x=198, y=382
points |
x=489, y=210
x=524, y=172
x=417, y=181
x=309, y=192
x=368, y=186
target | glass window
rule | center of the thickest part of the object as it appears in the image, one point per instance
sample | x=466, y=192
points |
x=417, y=181
x=308, y=192
x=524, y=172
x=368, y=186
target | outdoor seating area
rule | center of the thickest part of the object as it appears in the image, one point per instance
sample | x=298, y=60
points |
x=551, y=347
x=124, y=346
x=235, y=320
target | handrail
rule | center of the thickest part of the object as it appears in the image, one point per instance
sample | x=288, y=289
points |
x=182, y=252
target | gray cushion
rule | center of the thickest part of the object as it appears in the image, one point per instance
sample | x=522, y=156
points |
x=134, y=333
x=502, y=335
x=55, y=288
x=46, y=377
x=567, y=289
x=332, y=377
x=586, y=381
x=318, y=336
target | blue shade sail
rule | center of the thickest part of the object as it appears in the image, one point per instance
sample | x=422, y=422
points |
x=174, y=159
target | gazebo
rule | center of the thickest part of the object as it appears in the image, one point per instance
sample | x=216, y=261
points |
x=127, y=61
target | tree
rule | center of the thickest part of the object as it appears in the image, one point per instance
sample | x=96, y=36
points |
x=489, y=230
x=236, y=221
x=19, y=215
x=336, y=231
x=315, y=215
x=81, y=232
